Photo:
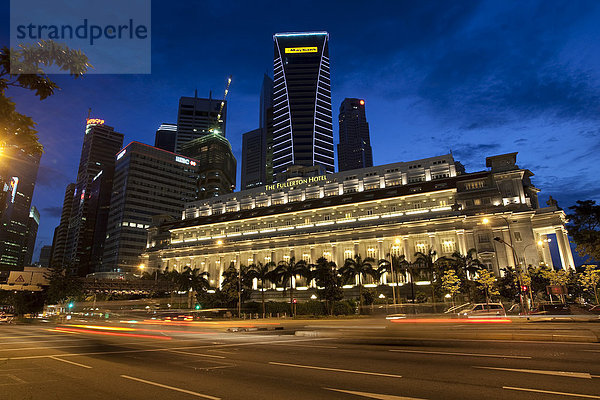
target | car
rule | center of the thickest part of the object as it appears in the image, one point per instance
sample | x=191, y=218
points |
x=6, y=317
x=484, y=310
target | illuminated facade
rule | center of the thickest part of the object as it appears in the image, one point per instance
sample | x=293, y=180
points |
x=18, y=173
x=148, y=182
x=89, y=205
x=302, y=118
x=399, y=208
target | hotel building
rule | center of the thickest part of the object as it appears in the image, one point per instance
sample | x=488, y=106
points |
x=399, y=208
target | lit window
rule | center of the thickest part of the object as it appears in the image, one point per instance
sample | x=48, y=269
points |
x=348, y=254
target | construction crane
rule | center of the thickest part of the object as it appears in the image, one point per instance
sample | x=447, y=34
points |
x=217, y=126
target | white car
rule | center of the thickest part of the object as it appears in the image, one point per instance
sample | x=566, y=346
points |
x=484, y=310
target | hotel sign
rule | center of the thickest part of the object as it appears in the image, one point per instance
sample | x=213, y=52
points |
x=296, y=50
x=296, y=182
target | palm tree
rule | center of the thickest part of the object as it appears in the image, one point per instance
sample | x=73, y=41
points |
x=287, y=271
x=358, y=267
x=262, y=272
x=466, y=266
x=326, y=276
x=194, y=281
x=398, y=264
x=427, y=261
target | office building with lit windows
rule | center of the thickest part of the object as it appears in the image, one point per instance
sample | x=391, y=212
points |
x=399, y=208
x=197, y=117
x=91, y=197
x=148, y=182
x=354, y=148
x=18, y=173
x=302, y=117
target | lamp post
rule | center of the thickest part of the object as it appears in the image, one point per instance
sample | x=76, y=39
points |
x=515, y=258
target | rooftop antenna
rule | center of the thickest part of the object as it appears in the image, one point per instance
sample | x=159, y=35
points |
x=196, y=93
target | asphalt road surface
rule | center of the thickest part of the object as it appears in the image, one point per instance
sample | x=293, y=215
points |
x=136, y=361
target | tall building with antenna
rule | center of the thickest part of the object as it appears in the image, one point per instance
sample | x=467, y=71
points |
x=198, y=117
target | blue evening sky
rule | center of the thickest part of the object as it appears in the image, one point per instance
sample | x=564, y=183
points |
x=476, y=77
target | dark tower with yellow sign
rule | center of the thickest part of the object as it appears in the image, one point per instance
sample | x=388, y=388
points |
x=302, y=117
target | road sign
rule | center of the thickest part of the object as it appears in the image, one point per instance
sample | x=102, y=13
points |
x=556, y=290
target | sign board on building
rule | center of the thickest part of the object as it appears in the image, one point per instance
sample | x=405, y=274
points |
x=296, y=182
x=296, y=50
x=185, y=161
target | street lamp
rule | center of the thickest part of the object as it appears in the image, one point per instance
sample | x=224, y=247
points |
x=486, y=221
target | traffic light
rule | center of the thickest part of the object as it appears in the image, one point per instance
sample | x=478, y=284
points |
x=524, y=288
x=71, y=305
x=198, y=307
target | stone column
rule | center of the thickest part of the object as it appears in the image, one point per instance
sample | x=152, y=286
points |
x=546, y=256
x=462, y=246
x=510, y=257
x=433, y=245
x=407, y=255
x=564, y=249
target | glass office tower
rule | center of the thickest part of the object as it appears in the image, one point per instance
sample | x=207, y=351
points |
x=302, y=117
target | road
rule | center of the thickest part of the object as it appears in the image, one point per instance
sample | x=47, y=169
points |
x=135, y=361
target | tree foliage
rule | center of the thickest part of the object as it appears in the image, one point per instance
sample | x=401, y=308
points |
x=589, y=280
x=584, y=228
x=23, y=68
x=451, y=283
x=62, y=286
x=487, y=284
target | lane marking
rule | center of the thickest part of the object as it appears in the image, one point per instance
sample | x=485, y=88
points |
x=374, y=395
x=335, y=369
x=566, y=374
x=303, y=345
x=149, y=350
x=195, y=354
x=206, y=396
x=70, y=362
x=587, y=396
x=459, y=354
x=16, y=378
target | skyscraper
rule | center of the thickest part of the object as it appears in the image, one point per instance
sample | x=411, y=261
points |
x=33, y=223
x=165, y=138
x=266, y=126
x=216, y=164
x=148, y=181
x=60, y=233
x=354, y=149
x=18, y=173
x=198, y=117
x=253, y=159
x=88, y=211
x=302, y=117
x=257, y=145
